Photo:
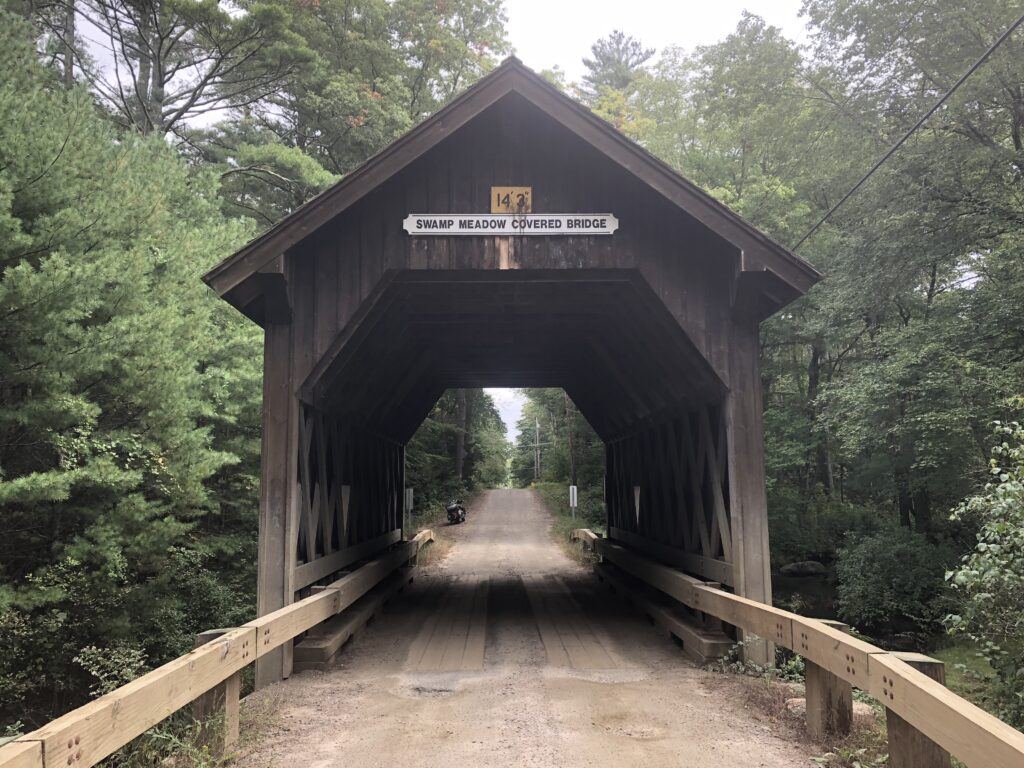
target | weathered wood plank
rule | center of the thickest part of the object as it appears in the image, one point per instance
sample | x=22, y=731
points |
x=585, y=537
x=273, y=590
x=320, y=568
x=708, y=567
x=285, y=623
x=699, y=643
x=325, y=640
x=748, y=504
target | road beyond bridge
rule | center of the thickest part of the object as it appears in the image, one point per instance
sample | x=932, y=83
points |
x=508, y=653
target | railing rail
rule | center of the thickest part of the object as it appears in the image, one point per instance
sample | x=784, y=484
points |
x=86, y=735
x=966, y=731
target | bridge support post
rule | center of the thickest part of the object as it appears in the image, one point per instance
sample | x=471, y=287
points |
x=217, y=710
x=748, y=503
x=829, y=698
x=908, y=747
x=277, y=502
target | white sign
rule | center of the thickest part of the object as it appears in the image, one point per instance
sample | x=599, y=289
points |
x=572, y=496
x=448, y=224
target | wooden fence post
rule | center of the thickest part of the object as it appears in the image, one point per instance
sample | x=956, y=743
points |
x=219, y=703
x=829, y=698
x=908, y=747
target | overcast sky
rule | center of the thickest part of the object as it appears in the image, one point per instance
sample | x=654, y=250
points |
x=546, y=33
x=549, y=33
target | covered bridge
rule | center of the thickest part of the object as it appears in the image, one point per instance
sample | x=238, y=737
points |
x=512, y=239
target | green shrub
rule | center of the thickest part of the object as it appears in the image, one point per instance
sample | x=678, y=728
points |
x=812, y=527
x=990, y=581
x=891, y=586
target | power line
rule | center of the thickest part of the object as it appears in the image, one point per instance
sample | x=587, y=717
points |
x=908, y=134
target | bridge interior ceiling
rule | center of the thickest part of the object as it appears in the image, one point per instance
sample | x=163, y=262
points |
x=602, y=335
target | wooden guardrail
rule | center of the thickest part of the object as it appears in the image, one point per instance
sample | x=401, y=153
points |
x=924, y=704
x=86, y=735
x=586, y=537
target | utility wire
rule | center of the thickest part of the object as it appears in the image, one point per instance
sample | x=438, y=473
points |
x=1002, y=38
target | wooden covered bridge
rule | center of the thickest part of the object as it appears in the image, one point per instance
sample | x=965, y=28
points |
x=514, y=239
x=652, y=330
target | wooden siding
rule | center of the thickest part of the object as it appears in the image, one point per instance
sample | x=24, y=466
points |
x=690, y=270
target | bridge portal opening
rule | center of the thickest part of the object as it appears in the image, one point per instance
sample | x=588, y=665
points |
x=648, y=318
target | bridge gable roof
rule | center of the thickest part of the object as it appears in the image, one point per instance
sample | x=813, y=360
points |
x=261, y=257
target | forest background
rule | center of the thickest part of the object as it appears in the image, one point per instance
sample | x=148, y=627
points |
x=130, y=395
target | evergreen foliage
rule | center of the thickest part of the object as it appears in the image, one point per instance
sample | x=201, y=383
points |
x=128, y=418
x=571, y=453
x=432, y=453
x=129, y=395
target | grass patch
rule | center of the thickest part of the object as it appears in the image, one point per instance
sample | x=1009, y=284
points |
x=969, y=675
x=435, y=517
x=556, y=499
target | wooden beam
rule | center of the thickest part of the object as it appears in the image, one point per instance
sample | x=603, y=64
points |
x=285, y=623
x=92, y=732
x=711, y=569
x=23, y=754
x=274, y=546
x=748, y=503
x=699, y=643
x=217, y=710
x=967, y=732
x=908, y=747
x=323, y=567
x=87, y=735
x=829, y=697
x=319, y=647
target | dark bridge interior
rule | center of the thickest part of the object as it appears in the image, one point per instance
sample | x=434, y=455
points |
x=602, y=335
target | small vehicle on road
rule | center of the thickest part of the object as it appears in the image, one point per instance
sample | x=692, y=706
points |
x=456, y=512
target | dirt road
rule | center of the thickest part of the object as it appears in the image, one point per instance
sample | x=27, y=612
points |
x=508, y=654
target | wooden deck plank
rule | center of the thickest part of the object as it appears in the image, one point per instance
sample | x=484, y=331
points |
x=556, y=651
x=476, y=642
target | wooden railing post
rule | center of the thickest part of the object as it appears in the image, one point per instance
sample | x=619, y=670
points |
x=829, y=698
x=711, y=622
x=908, y=747
x=220, y=703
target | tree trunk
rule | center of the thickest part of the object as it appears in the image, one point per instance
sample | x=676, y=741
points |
x=922, y=511
x=569, y=415
x=143, y=121
x=69, y=44
x=460, y=433
x=823, y=462
x=903, y=498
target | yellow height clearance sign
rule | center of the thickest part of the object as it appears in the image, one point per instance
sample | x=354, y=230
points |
x=511, y=199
